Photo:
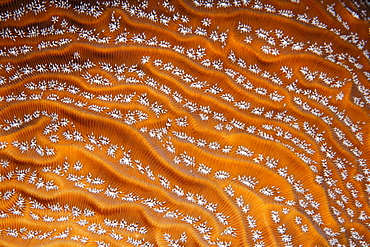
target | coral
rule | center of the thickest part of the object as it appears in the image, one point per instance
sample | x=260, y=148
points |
x=179, y=123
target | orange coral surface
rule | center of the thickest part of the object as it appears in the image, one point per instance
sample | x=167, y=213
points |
x=184, y=123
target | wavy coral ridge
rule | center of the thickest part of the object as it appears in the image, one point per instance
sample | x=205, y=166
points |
x=179, y=123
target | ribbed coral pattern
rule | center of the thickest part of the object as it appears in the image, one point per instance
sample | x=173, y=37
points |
x=184, y=123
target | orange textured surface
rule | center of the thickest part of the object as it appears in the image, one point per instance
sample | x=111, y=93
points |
x=184, y=123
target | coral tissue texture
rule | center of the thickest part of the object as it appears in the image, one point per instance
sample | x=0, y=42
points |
x=184, y=123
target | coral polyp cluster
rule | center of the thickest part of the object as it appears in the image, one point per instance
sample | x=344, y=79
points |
x=184, y=123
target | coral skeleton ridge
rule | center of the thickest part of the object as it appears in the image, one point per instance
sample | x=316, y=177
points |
x=184, y=123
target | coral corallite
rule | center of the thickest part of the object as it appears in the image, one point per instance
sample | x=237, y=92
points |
x=184, y=123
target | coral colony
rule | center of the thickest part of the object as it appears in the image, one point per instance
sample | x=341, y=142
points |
x=184, y=123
